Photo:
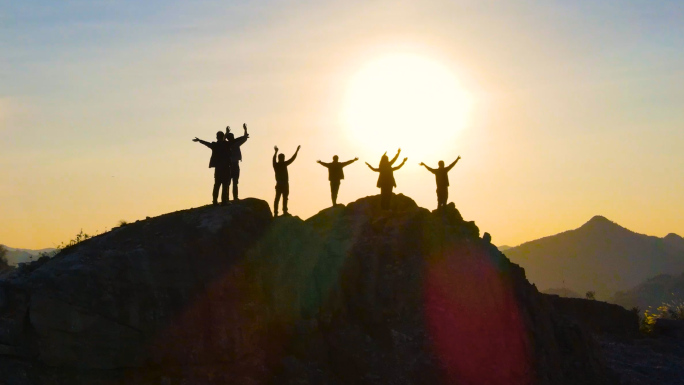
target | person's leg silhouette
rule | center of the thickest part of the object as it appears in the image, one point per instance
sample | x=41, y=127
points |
x=286, y=194
x=215, y=193
x=334, y=189
x=277, y=200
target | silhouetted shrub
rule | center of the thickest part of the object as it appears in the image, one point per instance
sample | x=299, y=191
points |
x=80, y=237
x=668, y=310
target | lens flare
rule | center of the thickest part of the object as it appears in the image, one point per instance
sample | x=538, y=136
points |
x=474, y=320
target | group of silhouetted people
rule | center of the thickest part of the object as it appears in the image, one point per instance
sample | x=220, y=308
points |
x=226, y=157
x=225, y=160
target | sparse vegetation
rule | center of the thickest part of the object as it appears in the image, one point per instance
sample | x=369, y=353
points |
x=80, y=237
x=122, y=223
x=669, y=310
x=590, y=295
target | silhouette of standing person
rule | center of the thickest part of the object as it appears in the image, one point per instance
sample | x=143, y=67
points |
x=386, y=180
x=220, y=162
x=442, y=180
x=282, y=179
x=236, y=157
x=335, y=175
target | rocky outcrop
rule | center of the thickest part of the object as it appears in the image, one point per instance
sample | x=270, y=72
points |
x=353, y=295
x=597, y=316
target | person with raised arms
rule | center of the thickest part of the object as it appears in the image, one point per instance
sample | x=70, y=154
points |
x=236, y=157
x=220, y=162
x=386, y=180
x=282, y=179
x=335, y=175
x=442, y=180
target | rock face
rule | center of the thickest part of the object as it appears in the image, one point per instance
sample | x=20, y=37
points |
x=353, y=295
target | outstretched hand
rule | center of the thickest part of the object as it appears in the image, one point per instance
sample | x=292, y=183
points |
x=196, y=139
x=368, y=164
x=276, y=148
x=244, y=126
x=422, y=164
x=298, y=147
x=459, y=157
x=405, y=159
x=227, y=129
x=357, y=158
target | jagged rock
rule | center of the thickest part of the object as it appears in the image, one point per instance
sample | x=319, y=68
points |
x=353, y=295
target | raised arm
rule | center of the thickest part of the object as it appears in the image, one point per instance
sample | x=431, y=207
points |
x=372, y=168
x=347, y=163
x=239, y=141
x=323, y=163
x=395, y=157
x=432, y=170
x=202, y=141
x=289, y=161
x=449, y=167
x=275, y=154
x=244, y=127
x=399, y=166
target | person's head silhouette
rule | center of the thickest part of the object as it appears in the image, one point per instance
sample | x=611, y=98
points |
x=384, y=160
x=281, y=158
x=336, y=158
x=441, y=164
x=219, y=136
x=230, y=136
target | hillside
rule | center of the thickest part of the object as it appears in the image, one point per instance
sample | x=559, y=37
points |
x=353, y=295
x=600, y=256
x=652, y=293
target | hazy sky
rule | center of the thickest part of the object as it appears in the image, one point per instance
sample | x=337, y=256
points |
x=574, y=108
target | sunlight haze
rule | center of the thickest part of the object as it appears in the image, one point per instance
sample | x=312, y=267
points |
x=559, y=110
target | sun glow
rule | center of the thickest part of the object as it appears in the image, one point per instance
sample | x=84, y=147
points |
x=405, y=101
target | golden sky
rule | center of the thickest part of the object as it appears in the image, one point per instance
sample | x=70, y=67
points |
x=560, y=111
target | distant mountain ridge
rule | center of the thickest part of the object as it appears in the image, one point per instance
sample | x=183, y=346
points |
x=599, y=256
x=17, y=256
x=653, y=292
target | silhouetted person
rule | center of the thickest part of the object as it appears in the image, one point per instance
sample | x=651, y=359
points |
x=236, y=157
x=442, y=180
x=220, y=162
x=282, y=179
x=386, y=180
x=335, y=175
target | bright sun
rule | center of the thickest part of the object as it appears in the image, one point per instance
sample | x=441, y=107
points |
x=405, y=101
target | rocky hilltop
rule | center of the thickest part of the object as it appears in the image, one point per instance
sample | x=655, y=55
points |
x=230, y=295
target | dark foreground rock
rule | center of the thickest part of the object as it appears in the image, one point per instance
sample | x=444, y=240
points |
x=599, y=317
x=228, y=295
x=656, y=360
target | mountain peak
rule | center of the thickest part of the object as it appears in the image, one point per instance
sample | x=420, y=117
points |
x=674, y=237
x=599, y=221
